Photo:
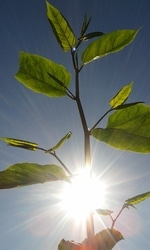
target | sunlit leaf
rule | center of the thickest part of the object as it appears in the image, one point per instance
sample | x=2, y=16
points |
x=61, y=28
x=121, y=96
x=104, y=240
x=20, y=143
x=69, y=245
x=127, y=129
x=104, y=211
x=33, y=73
x=60, y=143
x=22, y=174
x=137, y=199
x=109, y=43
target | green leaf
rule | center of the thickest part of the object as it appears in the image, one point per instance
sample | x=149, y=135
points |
x=127, y=129
x=137, y=199
x=104, y=211
x=84, y=25
x=60, y=143
x=61, y=28
x=121, y=96
x=22, y=174
x=20, y=143
x=109, y=43
x=33, y=73
x=90, y=35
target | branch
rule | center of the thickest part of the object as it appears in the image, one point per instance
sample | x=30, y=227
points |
x=63, y=165
x=53, y=153
x=69, y=93
x=114, y=220
x=101, y=118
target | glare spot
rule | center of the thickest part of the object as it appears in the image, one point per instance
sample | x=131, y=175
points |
x=83, y=195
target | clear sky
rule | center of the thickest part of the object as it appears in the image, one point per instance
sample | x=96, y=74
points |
x=30, y=217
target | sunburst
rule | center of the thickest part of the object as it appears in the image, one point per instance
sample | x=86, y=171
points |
x=84, y=194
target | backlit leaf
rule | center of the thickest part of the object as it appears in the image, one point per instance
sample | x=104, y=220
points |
x=137, y=199
x=61, y=28
x=104, y=211
x=20, y=143
x=121, y=96
x=68, y=245
x=104, y=240
x=127, y=129
x=33, y=73
x=60, y=143
x=109, y=43
x=22, y=174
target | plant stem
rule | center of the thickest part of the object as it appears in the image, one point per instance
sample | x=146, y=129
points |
x=63, y=165
x=90, y=227
x=87, y=153
x=87, y=150
x=101, y=118
x=114, y=220
x=53, y=153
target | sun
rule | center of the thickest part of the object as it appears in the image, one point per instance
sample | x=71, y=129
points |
x=83, y=195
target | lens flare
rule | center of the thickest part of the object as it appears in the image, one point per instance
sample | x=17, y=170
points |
x=84, y=194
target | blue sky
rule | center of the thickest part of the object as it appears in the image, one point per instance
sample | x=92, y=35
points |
x=30, y=217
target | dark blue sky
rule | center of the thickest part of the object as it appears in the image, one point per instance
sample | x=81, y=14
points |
x=30, y=218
